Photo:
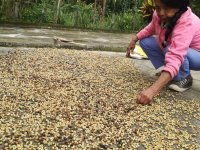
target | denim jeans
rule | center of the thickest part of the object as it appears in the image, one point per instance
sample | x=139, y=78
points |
x=157, y=57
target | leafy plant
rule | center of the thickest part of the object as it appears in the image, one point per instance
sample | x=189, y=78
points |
x=129, y=21
x=120, y=14
x=147, y=9
x=42, y=12
x=80, y=14
x=195, y=7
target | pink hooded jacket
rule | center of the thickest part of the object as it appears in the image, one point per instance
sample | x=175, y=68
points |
x=186, y=33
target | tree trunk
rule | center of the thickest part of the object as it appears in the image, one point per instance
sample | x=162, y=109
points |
x=100, y=12
x=16, y=10
x=57, y=11
x=95, y=8
x=104, y=9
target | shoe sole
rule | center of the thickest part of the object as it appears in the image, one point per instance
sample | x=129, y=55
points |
x=178, y=89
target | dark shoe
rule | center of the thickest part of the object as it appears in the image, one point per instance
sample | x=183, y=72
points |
x=182, y=85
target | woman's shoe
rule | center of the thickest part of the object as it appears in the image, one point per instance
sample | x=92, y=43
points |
x=182, y=85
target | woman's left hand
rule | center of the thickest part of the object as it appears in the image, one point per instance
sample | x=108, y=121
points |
x=146, y=96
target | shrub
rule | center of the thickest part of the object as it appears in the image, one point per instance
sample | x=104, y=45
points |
x=38, y=13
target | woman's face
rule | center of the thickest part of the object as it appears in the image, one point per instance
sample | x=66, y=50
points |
x=164, y=12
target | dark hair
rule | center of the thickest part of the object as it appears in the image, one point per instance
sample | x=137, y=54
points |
x=182, y=5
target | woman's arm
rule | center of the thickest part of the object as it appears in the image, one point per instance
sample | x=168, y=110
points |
x=131, y=46
x=145, y=32
x=146, y=96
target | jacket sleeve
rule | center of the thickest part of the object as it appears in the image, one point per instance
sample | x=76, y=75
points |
x=181, y=38
x=149, y=29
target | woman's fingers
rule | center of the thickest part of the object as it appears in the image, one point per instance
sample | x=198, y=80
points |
x=143, y=99
x=128, y=51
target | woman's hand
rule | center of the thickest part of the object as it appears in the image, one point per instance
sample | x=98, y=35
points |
x=146, y=96
x=131, y=46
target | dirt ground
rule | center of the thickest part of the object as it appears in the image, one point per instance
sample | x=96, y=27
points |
x=69, y=99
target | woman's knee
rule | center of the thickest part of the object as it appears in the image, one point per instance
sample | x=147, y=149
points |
x=193, y=58
x=143, y=42
x=148, y=42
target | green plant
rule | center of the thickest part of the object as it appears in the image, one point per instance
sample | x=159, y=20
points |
x=195, y=5
x=80, y=14
x=42, y=11
x=120, y=14
x=147, y=9
x=129, y=21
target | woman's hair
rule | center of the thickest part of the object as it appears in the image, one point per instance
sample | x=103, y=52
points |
x=182, y=5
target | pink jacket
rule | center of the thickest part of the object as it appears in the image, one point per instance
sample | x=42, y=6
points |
x=185, y=34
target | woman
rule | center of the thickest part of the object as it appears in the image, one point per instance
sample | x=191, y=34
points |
x=175, y=48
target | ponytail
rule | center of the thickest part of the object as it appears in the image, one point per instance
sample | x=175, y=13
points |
x=172, y=23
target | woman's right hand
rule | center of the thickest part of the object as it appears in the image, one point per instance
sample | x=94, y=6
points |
x=130, y=47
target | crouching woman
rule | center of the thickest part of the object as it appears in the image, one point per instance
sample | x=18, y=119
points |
x=174, y=48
